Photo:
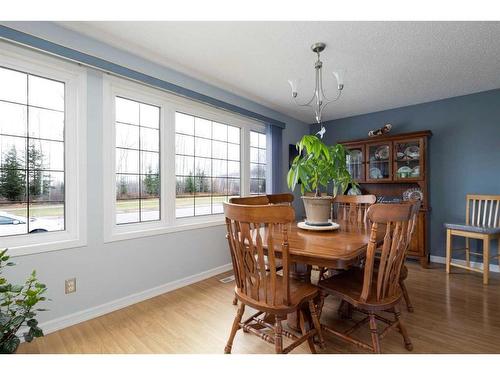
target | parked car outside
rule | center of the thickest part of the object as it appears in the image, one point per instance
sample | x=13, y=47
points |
x=13, y=224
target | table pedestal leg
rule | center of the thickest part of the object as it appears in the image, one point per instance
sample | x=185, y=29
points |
x=345, y=310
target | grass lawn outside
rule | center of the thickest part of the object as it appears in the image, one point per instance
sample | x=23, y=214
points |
x=36, y=210
x=57, y=209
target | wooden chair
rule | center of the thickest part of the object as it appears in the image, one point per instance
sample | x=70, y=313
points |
x=251, y=200
x=352, y=207
x=282, y=198
x=482, y=222
x=375, y=288
x=260, y=286
x=344, y=309
x=415, y=207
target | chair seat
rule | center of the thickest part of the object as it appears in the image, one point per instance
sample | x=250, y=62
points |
x=472, y=228
x=300, y=292
x=348, y=286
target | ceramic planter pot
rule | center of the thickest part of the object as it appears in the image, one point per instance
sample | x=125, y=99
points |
x=318, y=209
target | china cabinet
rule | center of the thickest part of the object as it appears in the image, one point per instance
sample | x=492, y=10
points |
x=394, y=168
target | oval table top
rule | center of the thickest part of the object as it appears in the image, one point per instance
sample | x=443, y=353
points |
x=332, y=249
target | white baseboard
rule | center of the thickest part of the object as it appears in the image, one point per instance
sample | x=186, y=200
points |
x=442, y=260
x=93, y=312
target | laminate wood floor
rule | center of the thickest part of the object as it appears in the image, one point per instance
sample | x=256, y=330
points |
x=455, y=314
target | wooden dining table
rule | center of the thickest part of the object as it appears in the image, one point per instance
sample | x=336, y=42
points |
x=337, y=249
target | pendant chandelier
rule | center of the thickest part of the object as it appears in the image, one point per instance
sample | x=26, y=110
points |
x=319, y=100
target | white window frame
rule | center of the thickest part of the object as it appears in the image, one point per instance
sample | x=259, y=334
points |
x=169, y=104
x=75, y=151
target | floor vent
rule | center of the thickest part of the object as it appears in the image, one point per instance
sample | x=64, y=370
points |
x=227, y=280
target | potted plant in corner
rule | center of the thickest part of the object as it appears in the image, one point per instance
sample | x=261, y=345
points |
x=17, y=308
x=318, y=166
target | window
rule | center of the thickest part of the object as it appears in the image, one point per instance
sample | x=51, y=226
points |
x=137, y=131
x=257, y=163
x=32, y=152
x=207, y=165
x=42, y=153
x=197, y=158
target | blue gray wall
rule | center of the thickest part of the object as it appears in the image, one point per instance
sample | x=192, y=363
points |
x=464, y=151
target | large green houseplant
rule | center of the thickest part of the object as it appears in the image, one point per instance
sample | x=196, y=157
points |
x=17, y=308
x=319, y=166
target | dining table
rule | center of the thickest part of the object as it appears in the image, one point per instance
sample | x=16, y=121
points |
x=336, y=249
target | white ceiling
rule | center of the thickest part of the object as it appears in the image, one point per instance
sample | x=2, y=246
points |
x=389, y=64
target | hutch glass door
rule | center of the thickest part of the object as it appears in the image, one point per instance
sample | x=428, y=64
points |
x=355, y=162
x=379, y=167
x=408, y=160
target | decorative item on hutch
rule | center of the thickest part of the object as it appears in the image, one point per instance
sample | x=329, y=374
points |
x=381, y=131
x=413, y=194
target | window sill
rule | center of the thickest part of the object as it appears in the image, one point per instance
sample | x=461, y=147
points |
x=133, y=231
x=41, y=243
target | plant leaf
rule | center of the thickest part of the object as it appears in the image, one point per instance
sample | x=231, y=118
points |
x=36, y=332
x=10, y=346
x=32, y=323
x=16, y=288
x=18, y=320
x=28, y=337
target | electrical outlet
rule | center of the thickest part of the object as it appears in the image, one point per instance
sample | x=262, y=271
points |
x=70, y=286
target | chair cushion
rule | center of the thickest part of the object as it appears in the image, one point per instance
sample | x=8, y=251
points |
x=349, y=284
x=472, y=228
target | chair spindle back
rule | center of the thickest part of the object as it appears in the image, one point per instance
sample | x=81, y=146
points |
x=352, y=208
x=483, y=210
x=396, y=219
x=257, y=276
x=415, y=208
